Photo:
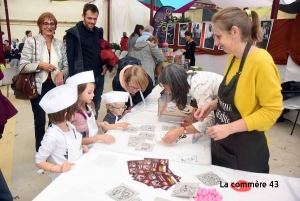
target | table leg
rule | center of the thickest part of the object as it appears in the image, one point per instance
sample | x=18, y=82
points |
x=295, y=122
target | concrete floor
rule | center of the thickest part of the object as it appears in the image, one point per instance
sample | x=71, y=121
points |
x=18, y=151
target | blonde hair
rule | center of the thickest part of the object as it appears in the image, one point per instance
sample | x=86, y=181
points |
x=153, y=39
x=234, y=16
x=137, y=75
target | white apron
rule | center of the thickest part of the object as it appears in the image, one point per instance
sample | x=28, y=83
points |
x=74, y=144
x=91, y=122
x=92, y=125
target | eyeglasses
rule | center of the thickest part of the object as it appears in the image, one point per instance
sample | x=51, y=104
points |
x=46, y=24
x=134, y=88
x=120, y=108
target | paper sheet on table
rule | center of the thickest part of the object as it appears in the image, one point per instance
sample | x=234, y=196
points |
x=148, y=107
x=106, y=161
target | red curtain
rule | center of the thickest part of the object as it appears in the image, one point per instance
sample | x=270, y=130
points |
x=280, y=40
x=294, y=50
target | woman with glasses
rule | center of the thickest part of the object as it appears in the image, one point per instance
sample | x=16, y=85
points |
x=45, y=56
x=133, y=79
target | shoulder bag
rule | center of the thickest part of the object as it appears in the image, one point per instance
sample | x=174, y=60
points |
x=24, y=85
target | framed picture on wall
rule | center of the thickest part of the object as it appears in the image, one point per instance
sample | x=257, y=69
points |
x=183, y=27
x=197, y=32
x=209, y=39
x=170, y=35
x=266, y=28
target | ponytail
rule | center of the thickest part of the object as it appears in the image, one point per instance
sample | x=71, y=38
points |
x=256, y=34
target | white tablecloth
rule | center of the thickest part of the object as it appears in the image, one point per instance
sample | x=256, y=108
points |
x=105, y=167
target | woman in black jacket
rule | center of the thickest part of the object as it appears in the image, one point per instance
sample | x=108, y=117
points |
x=133, y=79
x=190, y=46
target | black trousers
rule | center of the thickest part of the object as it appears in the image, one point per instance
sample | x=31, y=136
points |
x=39, y=114
x=5, y=194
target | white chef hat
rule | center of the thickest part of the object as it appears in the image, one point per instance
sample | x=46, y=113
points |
x=115, y=97
x=59, y=98
x=81, y=78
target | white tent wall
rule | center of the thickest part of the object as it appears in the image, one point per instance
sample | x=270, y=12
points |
x=125, y=14
x=102, y=18
x=24, y=14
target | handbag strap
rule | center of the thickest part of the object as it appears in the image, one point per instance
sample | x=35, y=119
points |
x=34, y=54
x=151, y=53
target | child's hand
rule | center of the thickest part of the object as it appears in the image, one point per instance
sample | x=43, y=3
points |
x=66, y=166
x=85, y=148
x=107, y=138
x=104, y=125
x=124, y=124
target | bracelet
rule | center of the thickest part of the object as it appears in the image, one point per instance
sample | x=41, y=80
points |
x=51, y=167
x=185, y=131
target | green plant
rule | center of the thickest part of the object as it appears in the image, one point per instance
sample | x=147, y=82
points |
x=115, y=46
x=184, y=19
x=174, y=19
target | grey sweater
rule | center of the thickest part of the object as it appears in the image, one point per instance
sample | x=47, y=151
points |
x=149, y=55
x=131, y=42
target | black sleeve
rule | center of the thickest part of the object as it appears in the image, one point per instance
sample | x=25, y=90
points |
x=116, y=85
x=101, y=32
x=193, y=47
x=71, y=53
x=109, y=119
x=191, y=50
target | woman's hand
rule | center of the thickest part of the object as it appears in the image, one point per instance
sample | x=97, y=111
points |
x=187, y=121
x=85, y=148
x=107, y=138
x=182, y=50
x=46, y=67
x=172, y=135
x=104, y=70
x=66, y=166
x=59, y=80
x=219, y=132
x=203, y=111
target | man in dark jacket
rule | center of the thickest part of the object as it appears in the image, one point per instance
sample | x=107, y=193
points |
x=83, y=49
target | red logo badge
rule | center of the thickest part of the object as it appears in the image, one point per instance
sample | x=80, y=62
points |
x=241, y=186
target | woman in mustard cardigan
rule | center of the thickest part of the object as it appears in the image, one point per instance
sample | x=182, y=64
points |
x=249, y=98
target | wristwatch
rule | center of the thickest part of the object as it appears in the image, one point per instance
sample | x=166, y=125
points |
x=184, y=134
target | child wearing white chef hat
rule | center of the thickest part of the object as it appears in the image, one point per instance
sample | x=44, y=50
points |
x=84, y=119
x=61, y=144
x=115, y=104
